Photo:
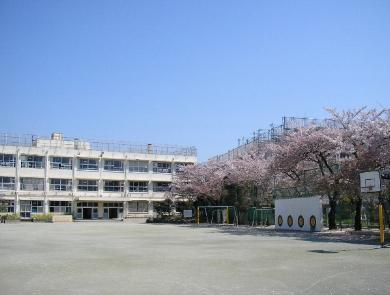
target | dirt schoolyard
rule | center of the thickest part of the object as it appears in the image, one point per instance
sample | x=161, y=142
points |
x=120, y=258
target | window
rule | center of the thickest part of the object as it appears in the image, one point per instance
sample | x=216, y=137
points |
x=32, y=184
x=138, y=186
x=113, y=205
x=162, y=167
x=138, y=166
x=61, y=163
x=113, y=165
x=30, y=207
x=36, y=207
x=113, y=186
x=87, y=185
x=88, y=164
x=7, y=160
x=344, y=156
x=60, y=184
x=7, y=206
x=7, y=183
x=179, y=167
x=28, y=161
x=60, y=207
x=87, y=204
x=161, y=186
x=138, y=207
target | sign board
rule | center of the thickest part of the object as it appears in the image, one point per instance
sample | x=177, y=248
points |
x=300, y=214
x=187, y=213
x=370, y=182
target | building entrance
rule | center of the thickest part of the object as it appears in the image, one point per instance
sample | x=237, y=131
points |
x=87, y=210
x=113, y=210
x=87, y=213
x=25, y=209
x=29, y=208
x=113, y=213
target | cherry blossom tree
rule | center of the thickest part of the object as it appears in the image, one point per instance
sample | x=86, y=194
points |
x=311, y=149
x=201, y=181
x=215, y=180
x=322, y=160
x=366, y=137
x=248, y=177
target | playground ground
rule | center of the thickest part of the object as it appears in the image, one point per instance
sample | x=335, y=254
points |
x=119, y=258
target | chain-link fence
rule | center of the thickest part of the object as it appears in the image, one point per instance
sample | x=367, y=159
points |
x=345, y=215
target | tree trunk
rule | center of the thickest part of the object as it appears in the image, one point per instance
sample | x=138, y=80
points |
x=332, y=214
x=358, y=213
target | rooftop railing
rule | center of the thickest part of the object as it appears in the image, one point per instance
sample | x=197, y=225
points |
x=104, y=146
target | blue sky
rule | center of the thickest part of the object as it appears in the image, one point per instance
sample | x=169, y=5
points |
x=200, y=73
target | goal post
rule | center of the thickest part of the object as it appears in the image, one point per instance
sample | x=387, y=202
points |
x=261, y=216
x=217, y=215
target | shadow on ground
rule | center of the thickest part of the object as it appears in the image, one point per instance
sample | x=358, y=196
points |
x=327, y=236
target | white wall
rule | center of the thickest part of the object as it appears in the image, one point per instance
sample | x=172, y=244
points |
x=296, y=207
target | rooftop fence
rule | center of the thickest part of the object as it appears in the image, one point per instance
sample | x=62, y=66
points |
x=106, y=146
x=273, y=133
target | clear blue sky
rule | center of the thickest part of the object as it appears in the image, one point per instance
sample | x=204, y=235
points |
x=201, y=73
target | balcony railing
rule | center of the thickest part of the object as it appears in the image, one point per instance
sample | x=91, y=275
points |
x=7, y=164
x=7, y=186
x=113, y=189
x=159, y=189
x=55, y=165
x=61, y=187
x=31, y=187
x=32, y=164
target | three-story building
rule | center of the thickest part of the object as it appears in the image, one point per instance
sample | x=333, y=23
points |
x=88, y=179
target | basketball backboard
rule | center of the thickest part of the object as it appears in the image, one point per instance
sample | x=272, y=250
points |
x=370, y=182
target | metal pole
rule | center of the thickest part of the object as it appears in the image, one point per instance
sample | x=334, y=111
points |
x=197, y=215
x=381, y=226
x=227, y=215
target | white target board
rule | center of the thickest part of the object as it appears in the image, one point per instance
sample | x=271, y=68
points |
x=301, y=214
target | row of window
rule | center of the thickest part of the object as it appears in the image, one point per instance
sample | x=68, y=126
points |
x=37, y=184
x=133, y=206
x=28, y=207
x=28, y=161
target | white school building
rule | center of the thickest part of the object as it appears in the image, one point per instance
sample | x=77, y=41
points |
x=88, y=179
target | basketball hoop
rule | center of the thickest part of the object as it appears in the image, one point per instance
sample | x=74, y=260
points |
x=370, y=182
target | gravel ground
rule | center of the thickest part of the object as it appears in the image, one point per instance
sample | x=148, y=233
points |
x=120, y=258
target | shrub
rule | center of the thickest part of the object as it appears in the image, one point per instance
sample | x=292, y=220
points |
x=163, y=208
x=42, y=218
x=12, y=216
x=169, y=219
